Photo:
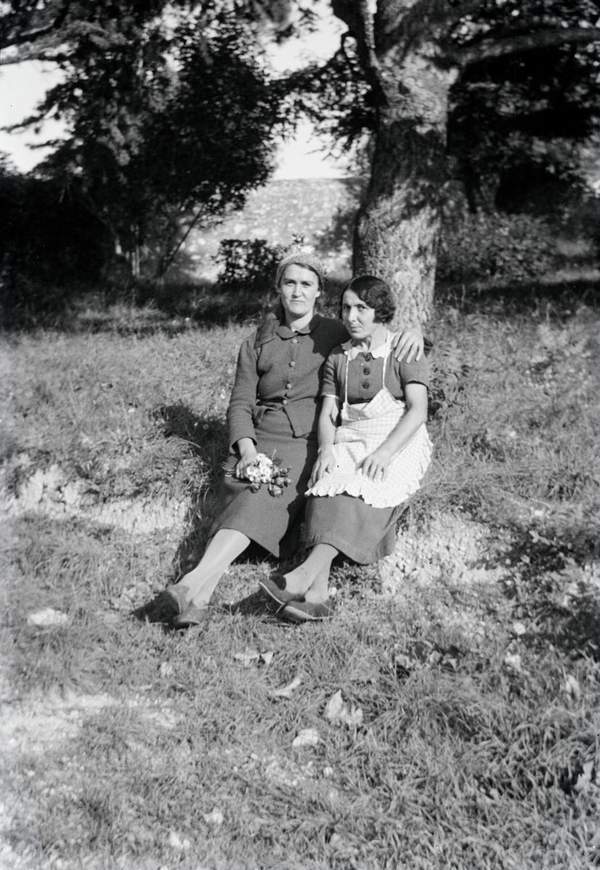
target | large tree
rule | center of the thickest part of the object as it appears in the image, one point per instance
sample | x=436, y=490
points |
x=411, y=53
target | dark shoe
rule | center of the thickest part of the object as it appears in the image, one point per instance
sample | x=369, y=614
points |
x=191, y=616
x=306, y=611
x=274, y=586
x=175, y=599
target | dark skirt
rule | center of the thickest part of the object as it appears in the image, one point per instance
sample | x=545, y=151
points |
x=361, y=532
x=270, y=521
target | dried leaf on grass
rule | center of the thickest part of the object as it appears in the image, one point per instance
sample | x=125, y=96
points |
x=178, y=841
x=339, y=713
x=572, y=687
x=513, y=662
x=47, y=618
x=214, y=818
x=287, y=691
x=252, y=656
x=306, y=737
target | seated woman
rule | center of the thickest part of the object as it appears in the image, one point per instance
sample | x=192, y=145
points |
x=273, y=411
x=373, y=451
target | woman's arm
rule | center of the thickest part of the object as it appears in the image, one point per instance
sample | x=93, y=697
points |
x=242, y=402
x=377, y=463
x=326, y=433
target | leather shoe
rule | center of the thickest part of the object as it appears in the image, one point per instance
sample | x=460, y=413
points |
x=191, y=616
x=175, y=598
x=307, y=611
x=274, y=586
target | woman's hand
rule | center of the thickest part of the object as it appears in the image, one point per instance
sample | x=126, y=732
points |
x=325, y=462
x=376, y=464
x=408, y=345
x=248, y=453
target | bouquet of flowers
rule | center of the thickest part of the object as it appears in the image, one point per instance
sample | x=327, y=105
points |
x=270, y=471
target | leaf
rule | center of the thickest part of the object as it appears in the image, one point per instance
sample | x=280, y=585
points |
x=177, y=841
x=214, y=818
x=339, y=713
x=249, y=656
x=287, y=691
x=572, y=687
x=513, y=661
x=306, y=737
x=47, y=618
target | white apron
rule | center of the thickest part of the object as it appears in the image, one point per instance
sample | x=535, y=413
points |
x=363, y=428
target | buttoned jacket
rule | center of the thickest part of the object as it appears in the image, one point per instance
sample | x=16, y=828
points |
x=279, y=368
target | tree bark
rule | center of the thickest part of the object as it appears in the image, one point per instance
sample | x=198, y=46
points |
x=398, y=223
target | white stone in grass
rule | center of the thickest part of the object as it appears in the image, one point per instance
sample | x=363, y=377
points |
x=519, y=629
x=306, y=737
x=47, y=618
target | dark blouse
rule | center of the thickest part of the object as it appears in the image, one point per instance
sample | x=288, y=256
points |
x=365, y=375
x=281, y=369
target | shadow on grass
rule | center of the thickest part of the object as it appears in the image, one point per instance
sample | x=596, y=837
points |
x=141, y=309
x=558, y=294
x=550, y=590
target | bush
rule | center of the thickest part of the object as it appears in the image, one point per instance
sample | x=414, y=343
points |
x=507, y=249
x=51, y=246
x=247, y=265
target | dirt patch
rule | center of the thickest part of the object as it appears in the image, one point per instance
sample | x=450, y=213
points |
x=51, y=493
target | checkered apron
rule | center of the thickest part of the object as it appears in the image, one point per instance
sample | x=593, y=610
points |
x=363, y=428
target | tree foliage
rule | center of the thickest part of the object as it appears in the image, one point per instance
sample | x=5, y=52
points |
x=402, y=65
x=527, y=88
x=171, y=118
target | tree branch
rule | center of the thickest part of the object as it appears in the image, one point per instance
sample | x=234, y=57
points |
x=489, y=49
x=15, y=39
x=428, y=12
x=359, y=20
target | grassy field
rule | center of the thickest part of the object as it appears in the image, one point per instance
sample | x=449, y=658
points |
x=467, y=730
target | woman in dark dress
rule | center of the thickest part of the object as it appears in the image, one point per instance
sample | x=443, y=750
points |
x=273, y=411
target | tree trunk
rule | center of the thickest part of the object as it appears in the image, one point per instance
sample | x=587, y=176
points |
x=398, y=223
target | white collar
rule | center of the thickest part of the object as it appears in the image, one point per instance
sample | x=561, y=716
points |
x=380, y=351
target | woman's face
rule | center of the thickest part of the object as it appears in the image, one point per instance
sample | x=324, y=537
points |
x=358, y=317
x=298, y=289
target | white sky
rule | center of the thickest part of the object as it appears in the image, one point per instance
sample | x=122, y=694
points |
x=23, y=85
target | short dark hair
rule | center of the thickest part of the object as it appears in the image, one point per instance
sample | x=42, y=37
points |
x=376, y=293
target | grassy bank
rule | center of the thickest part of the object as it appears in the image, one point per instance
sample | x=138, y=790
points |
x=468, y=661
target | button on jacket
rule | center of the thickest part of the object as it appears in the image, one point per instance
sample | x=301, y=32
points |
x=279, y=369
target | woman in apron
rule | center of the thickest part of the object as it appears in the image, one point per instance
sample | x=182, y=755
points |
x=373, y=451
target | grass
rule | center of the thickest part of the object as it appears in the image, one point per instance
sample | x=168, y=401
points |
x=473, y=651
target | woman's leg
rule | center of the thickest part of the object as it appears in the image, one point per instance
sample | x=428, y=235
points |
x=310, y=579
x=225, y=546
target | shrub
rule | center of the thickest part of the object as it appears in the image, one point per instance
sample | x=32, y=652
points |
x=50, y=247
x=507, y=249
x=247, y=265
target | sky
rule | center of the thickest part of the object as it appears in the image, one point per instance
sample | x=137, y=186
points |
x=23, y=85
